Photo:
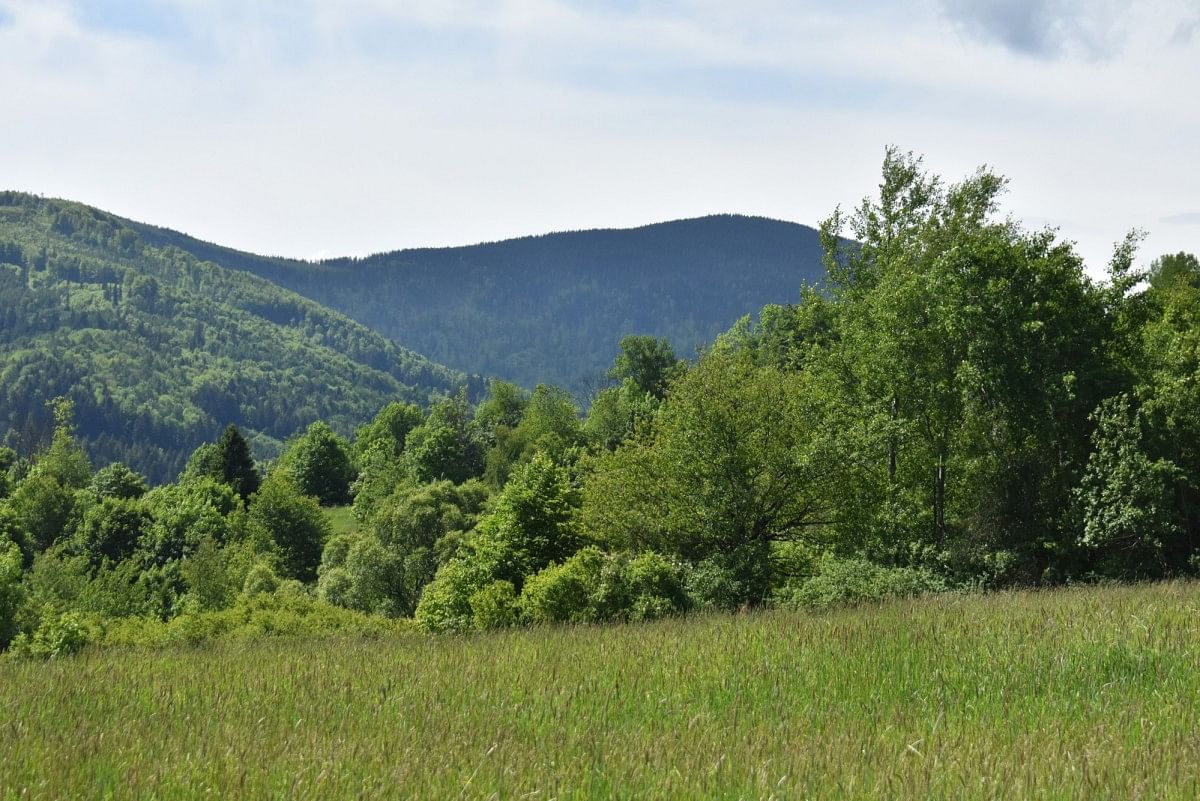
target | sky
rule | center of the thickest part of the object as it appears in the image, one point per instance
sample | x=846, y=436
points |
x=314, y=128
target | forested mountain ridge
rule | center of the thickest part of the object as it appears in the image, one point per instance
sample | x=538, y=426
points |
x=160, y=349
x=551, y=308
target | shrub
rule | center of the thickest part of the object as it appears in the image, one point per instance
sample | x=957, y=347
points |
x=495, y=606
x=260, y=579
x=289, y=611
x=58, y=635
x=11, y=591
x=445, y=604
x=593, y=586
x=843, y=582
x=656, y=587
x=336, y=587
x=564, y=593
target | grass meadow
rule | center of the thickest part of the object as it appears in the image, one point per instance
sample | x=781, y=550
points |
x=1082, y=693
x=341, y=519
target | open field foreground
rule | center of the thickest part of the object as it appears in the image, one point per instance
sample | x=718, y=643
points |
x=1086, y=693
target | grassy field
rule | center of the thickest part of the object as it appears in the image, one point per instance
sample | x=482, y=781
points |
x=1086, y=693
x=342, y=520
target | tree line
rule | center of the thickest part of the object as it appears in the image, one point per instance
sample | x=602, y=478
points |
x=959, y=406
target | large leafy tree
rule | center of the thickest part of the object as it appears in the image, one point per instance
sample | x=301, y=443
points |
x=387, y=431
x=649, y=363
x=531, y=525
x=319, y=462
x=735, y=464
x=280, y=513
x=447, y=445
x=966, y=357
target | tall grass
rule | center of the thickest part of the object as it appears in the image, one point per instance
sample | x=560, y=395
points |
x=1085, y=693
x=342, y=520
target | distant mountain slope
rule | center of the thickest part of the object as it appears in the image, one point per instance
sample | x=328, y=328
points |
x=160, y=349
x=552, y=308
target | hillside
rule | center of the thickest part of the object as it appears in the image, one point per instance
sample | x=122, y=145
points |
x=160, y=349
x=551, y=309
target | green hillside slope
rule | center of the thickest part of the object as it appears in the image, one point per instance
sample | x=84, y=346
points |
x=160, y=349
x=552, y=308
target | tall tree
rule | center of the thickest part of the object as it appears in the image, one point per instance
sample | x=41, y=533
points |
x=967, y=357
x=237, y=462
x=650, y=363
x=735, y=464
x=319, y=462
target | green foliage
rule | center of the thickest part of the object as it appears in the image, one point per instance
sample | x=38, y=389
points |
x=376, y=579
x=446, y=446
x=564, y=593
x=649, y=363
x=549, y=425
x=159, y=350
x=293, y=522
x=387, y=431
x=57, y=636
x=1127, y=497
x=282, y=612
x=503, y=407
x=237, y=463
x=549, y=309
x=8, y=459
x=593, y=586
x=319, y=463
x=11, y=592
x=655, y=586
x=43, y=509
x=184, y=515
x=336, y=587
x=1176, y=268
x=112, y=530
x=445, y=604
x=425, y=527
x=118, y=481
x=495, y=606
x=208, y=577
x=617, y=413
x=65, y=461
x=261, y=579
x=531, y=525
x=733, y=464
x=845, y=582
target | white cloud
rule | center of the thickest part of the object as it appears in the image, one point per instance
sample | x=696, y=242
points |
x=321, y=127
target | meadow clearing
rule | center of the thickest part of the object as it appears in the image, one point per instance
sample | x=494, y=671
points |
x=1077, y=693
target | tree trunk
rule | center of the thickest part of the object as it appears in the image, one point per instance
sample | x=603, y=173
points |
x=939, y=500
x=892, y=443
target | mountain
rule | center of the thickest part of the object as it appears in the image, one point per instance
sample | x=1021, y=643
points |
x=552, y=308
x=160, y=348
